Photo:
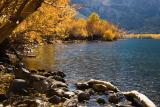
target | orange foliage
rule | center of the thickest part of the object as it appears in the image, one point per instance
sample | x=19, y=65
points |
x=78, y=29
x=57, y=21
x=50, y=19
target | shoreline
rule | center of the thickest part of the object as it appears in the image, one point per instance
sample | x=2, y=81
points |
x=36, y=85
x=144, y=36
x=50, y=88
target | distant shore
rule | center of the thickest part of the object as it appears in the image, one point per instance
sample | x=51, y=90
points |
x=145, y=36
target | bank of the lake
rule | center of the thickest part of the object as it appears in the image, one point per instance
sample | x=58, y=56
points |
x=129, y=64
x=144, y=36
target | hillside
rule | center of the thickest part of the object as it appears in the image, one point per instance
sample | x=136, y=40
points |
x=134, y=15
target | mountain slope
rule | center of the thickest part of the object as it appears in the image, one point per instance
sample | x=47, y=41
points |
x=134, y=15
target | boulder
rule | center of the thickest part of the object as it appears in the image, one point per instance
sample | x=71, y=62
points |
x=72, y=102
x=90, y=91
x=58, y=73
x=101, y=101
x=58, y=78
x=99, y=87
x=125, y=104
x=82, y=86
x=141, y=98
x=46, y=74
x=113, y=98
x=83, y=96
x=78, y=92
x=40, y=85
x=18, y=86
x=36, y=77
x=69, y=94
x=55, y=99
x=22, y=73
x=105, y=83
x=55, y=83
x=58, y=92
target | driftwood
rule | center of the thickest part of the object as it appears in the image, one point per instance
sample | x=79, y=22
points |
x=144, y=100
x=105, y=83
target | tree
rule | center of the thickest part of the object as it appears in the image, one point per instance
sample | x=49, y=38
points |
x=92, y=23
x=51, y=20
x=78, y=29
x=13, y=12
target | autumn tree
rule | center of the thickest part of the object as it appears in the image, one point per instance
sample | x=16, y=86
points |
x=78, y=29
x=92, y=23
x=13, y=12
x=51, y=20
x=102, y=29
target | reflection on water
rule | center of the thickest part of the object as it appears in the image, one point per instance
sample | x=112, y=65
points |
x=45, y=58
x=129, y=64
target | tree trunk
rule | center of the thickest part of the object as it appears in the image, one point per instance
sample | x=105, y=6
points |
x=27, y=7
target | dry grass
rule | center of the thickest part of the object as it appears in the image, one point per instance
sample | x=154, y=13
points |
x=153, y=36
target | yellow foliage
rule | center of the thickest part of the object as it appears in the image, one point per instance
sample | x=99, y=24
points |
x=78, y=28
x=50, y=20
x=58, y=21
x=34, y=36
x=101, y=29
x=109, y=35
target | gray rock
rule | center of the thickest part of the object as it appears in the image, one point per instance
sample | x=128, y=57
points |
x=109, y=85
x=59, y=78
x=35, y=77
x=78, y=92
x=69, y=94
x=101, y=101
x=22, y=73
x=113, y=98
x=55, y=83
x=73, y=102
x=58, y=73
x=82, y=86
x=83, y=96
x=41, y=85
x=125, y=104
x=56, y=77
x=18, y=86
x=58, y=92
x=99, y=87
x=55, y=99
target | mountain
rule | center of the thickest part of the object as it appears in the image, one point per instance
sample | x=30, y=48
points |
x=140, y=16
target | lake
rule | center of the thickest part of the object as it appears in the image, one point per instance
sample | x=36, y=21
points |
x=132, y=64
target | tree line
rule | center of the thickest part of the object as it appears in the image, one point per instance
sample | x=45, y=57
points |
x=51, y=20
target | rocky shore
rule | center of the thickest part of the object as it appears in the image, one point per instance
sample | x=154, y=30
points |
x=40, y=88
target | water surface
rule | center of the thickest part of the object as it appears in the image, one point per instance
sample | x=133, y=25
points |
x=132, y=64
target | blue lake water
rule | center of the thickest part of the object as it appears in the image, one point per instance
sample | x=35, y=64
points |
x=132, y=64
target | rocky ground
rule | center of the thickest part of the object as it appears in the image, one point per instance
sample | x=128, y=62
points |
x=24, y=88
